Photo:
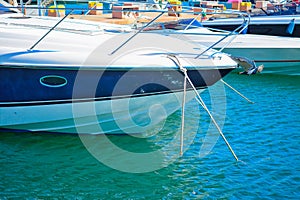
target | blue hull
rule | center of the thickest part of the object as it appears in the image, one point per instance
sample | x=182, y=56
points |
x=94, y=101
x=20, y=85
x=284, y=25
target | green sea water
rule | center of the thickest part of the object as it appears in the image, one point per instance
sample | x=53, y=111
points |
x=265, y=136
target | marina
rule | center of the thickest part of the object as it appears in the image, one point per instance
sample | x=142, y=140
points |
x=123, y=100
x=265, y=136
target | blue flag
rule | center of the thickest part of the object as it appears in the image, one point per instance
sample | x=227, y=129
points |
x=290, y=28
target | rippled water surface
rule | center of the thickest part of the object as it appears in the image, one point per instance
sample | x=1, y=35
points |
x=265, y=136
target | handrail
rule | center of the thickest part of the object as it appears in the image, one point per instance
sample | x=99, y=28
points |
x=124, y=43
x=50, y=31
x=235, y=32
x=139, y=31
x=239, y=29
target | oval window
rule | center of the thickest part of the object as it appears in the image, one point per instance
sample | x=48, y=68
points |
x=53, y=81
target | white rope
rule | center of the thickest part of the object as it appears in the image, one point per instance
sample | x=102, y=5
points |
x=201, y=102
x=236, y=91
x=171, y=56
x=183, y=116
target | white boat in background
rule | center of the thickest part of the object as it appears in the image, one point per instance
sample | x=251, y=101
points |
x=84, y=78
x=279, y=55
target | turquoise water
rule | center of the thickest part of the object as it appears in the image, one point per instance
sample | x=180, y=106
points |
x=265, y=136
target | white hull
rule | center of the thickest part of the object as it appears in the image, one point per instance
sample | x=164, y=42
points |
x=285, y=61
x=133, y=115
x=279, y=55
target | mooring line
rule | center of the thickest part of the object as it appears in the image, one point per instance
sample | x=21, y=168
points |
x=177, y=62
x=201, y=102
x=183, y=116
x=237, y=91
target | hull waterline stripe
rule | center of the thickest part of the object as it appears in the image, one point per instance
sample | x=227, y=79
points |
x=38, y=103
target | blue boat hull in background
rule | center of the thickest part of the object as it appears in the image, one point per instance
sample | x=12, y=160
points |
x=282, y=25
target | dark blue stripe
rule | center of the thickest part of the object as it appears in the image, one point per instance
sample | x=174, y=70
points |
x=23, y=85
x=260, y=29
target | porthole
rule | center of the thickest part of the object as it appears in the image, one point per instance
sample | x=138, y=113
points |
x=53, y=81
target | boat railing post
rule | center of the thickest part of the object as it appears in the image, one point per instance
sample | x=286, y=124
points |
x=55, y=6
x=39, y=7
x=22, y=6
